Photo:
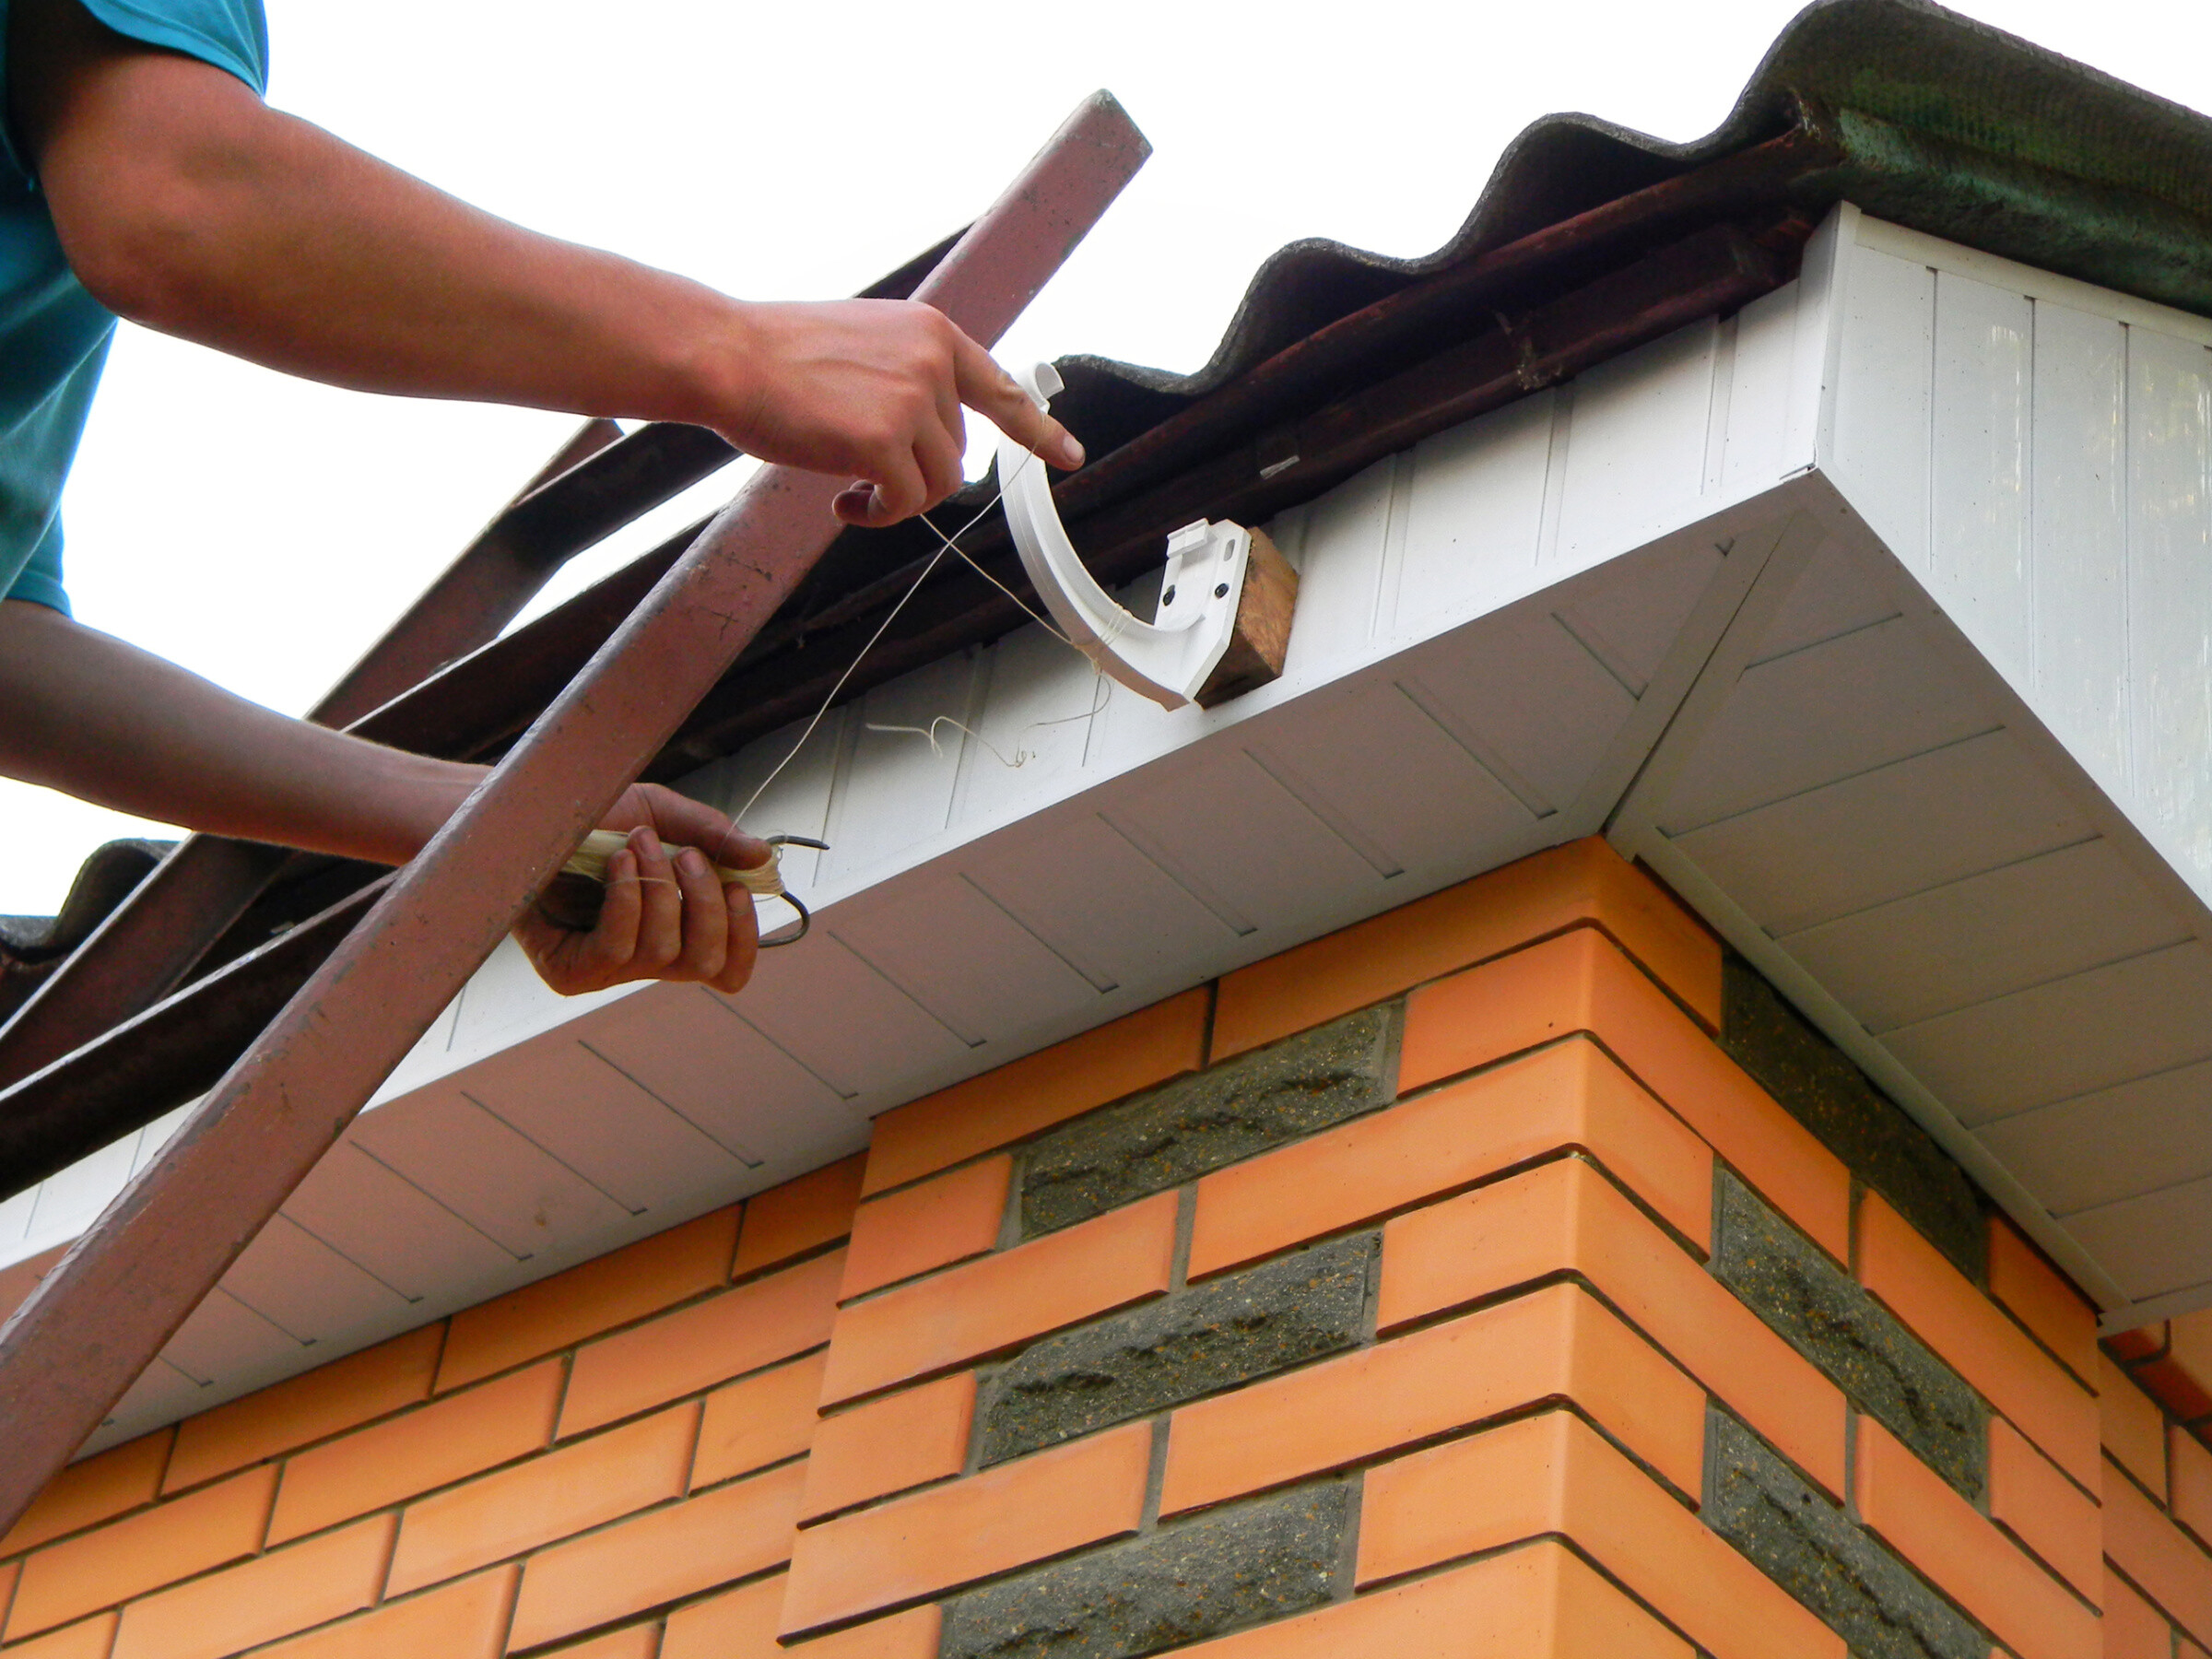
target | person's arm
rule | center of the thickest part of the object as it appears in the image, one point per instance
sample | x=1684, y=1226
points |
x=105, y=722
x=186, y=203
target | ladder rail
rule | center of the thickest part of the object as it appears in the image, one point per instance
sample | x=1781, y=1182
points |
x=69, y=1353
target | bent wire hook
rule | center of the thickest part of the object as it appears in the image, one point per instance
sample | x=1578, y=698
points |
x=793, y=933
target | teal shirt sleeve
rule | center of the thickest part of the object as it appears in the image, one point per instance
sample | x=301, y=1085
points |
x=230, y=34
x=40, y=581
x=52, y=334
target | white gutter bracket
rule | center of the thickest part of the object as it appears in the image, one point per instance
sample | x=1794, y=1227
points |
x=1167, y=659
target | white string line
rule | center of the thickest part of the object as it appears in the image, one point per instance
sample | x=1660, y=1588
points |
x=929, y=734
x=881, y=629
x=952, y=543
x=1023, y=755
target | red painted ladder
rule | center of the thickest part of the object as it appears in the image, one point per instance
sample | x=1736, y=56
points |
x=99, y=1318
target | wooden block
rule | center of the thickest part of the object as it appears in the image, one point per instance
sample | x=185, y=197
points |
x=1263, y=632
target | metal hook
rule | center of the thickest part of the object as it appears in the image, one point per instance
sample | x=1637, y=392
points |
x=777, y=940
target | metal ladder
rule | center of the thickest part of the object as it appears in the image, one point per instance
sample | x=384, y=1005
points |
x=98, y=1320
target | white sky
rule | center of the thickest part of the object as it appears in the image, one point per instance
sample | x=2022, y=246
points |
x=263, y=531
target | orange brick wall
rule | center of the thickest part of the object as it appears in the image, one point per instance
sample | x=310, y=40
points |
x=758, y=1432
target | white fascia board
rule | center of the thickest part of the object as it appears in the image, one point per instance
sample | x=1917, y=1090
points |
x=1993, y=895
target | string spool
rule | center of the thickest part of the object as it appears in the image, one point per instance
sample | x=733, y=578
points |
x=589, y=860
x=574, y=897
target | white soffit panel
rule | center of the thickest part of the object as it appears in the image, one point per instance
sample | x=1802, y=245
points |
x=1947, y=779
x=1688, y=598
x=1492, y=631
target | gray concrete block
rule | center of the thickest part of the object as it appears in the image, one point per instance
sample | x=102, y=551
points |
x=1215, y=1117
x=1825, y=1315
x=1817, y=1085
x=1808, y=1547
x=1207, y=1337
x=1181, y=1583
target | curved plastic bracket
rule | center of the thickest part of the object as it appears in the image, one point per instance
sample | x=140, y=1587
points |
x=1167, y=659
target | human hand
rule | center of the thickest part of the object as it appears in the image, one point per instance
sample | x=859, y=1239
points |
x=873, y=390
x=665, y=915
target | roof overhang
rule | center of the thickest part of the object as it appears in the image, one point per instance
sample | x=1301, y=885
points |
x=1834, y=611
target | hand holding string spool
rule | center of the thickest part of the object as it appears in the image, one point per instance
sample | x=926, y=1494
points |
x=573, y=897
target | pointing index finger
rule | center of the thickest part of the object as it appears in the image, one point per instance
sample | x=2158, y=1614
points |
x=996, y=396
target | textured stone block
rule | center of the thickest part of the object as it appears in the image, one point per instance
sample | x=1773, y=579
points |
x=1826, y=1316
x=1811, y=1549
x=1234, y=1567
x=1817, y=1085
x=1201, y=1122
x=1204, y=1338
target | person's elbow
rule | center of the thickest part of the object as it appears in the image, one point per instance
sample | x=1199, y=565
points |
x=148, y=184
x=143, y=247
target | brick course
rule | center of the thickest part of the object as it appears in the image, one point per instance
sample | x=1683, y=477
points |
x=1813, y=1549
x=1015, y=1101
x=1991, y=1352
x=1558, y=1343
x=951, y=1535
x=2048, y=1513
x=2037, y=1295
x=1903, y=1502
x=274, y=1595
x=1566, y=1216
x=1552, y=1475
x=94, y=1490
x=1817, y=1085
x=1235, y=1566
x=1548, y=1325
x=596, y=1296
x=1581, y=982
x=889, y=1443
x=764, y=1419
x=209, y=1528
x=788, y=1221
x=1219, y=1116
x=657, y=1557
x=1538, y=1600
x=2131, y=1427
x=463, y=1620
x=1206, y=1338
x=932, y=1224
x=705, y=1342
x=1873, y=1355
x=983, y=1307
x=2162, y=1560
x=1569, y=1096
x=388, y=1462
x=92, y=1638
x=355, y=1390
x=577, y=1487
x=1583, y=884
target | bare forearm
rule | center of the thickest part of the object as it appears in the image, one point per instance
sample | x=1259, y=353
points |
x=101, y=720
x=262, y=235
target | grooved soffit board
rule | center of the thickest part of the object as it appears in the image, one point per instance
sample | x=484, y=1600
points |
x=1804, y=604
x=1744, y=599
